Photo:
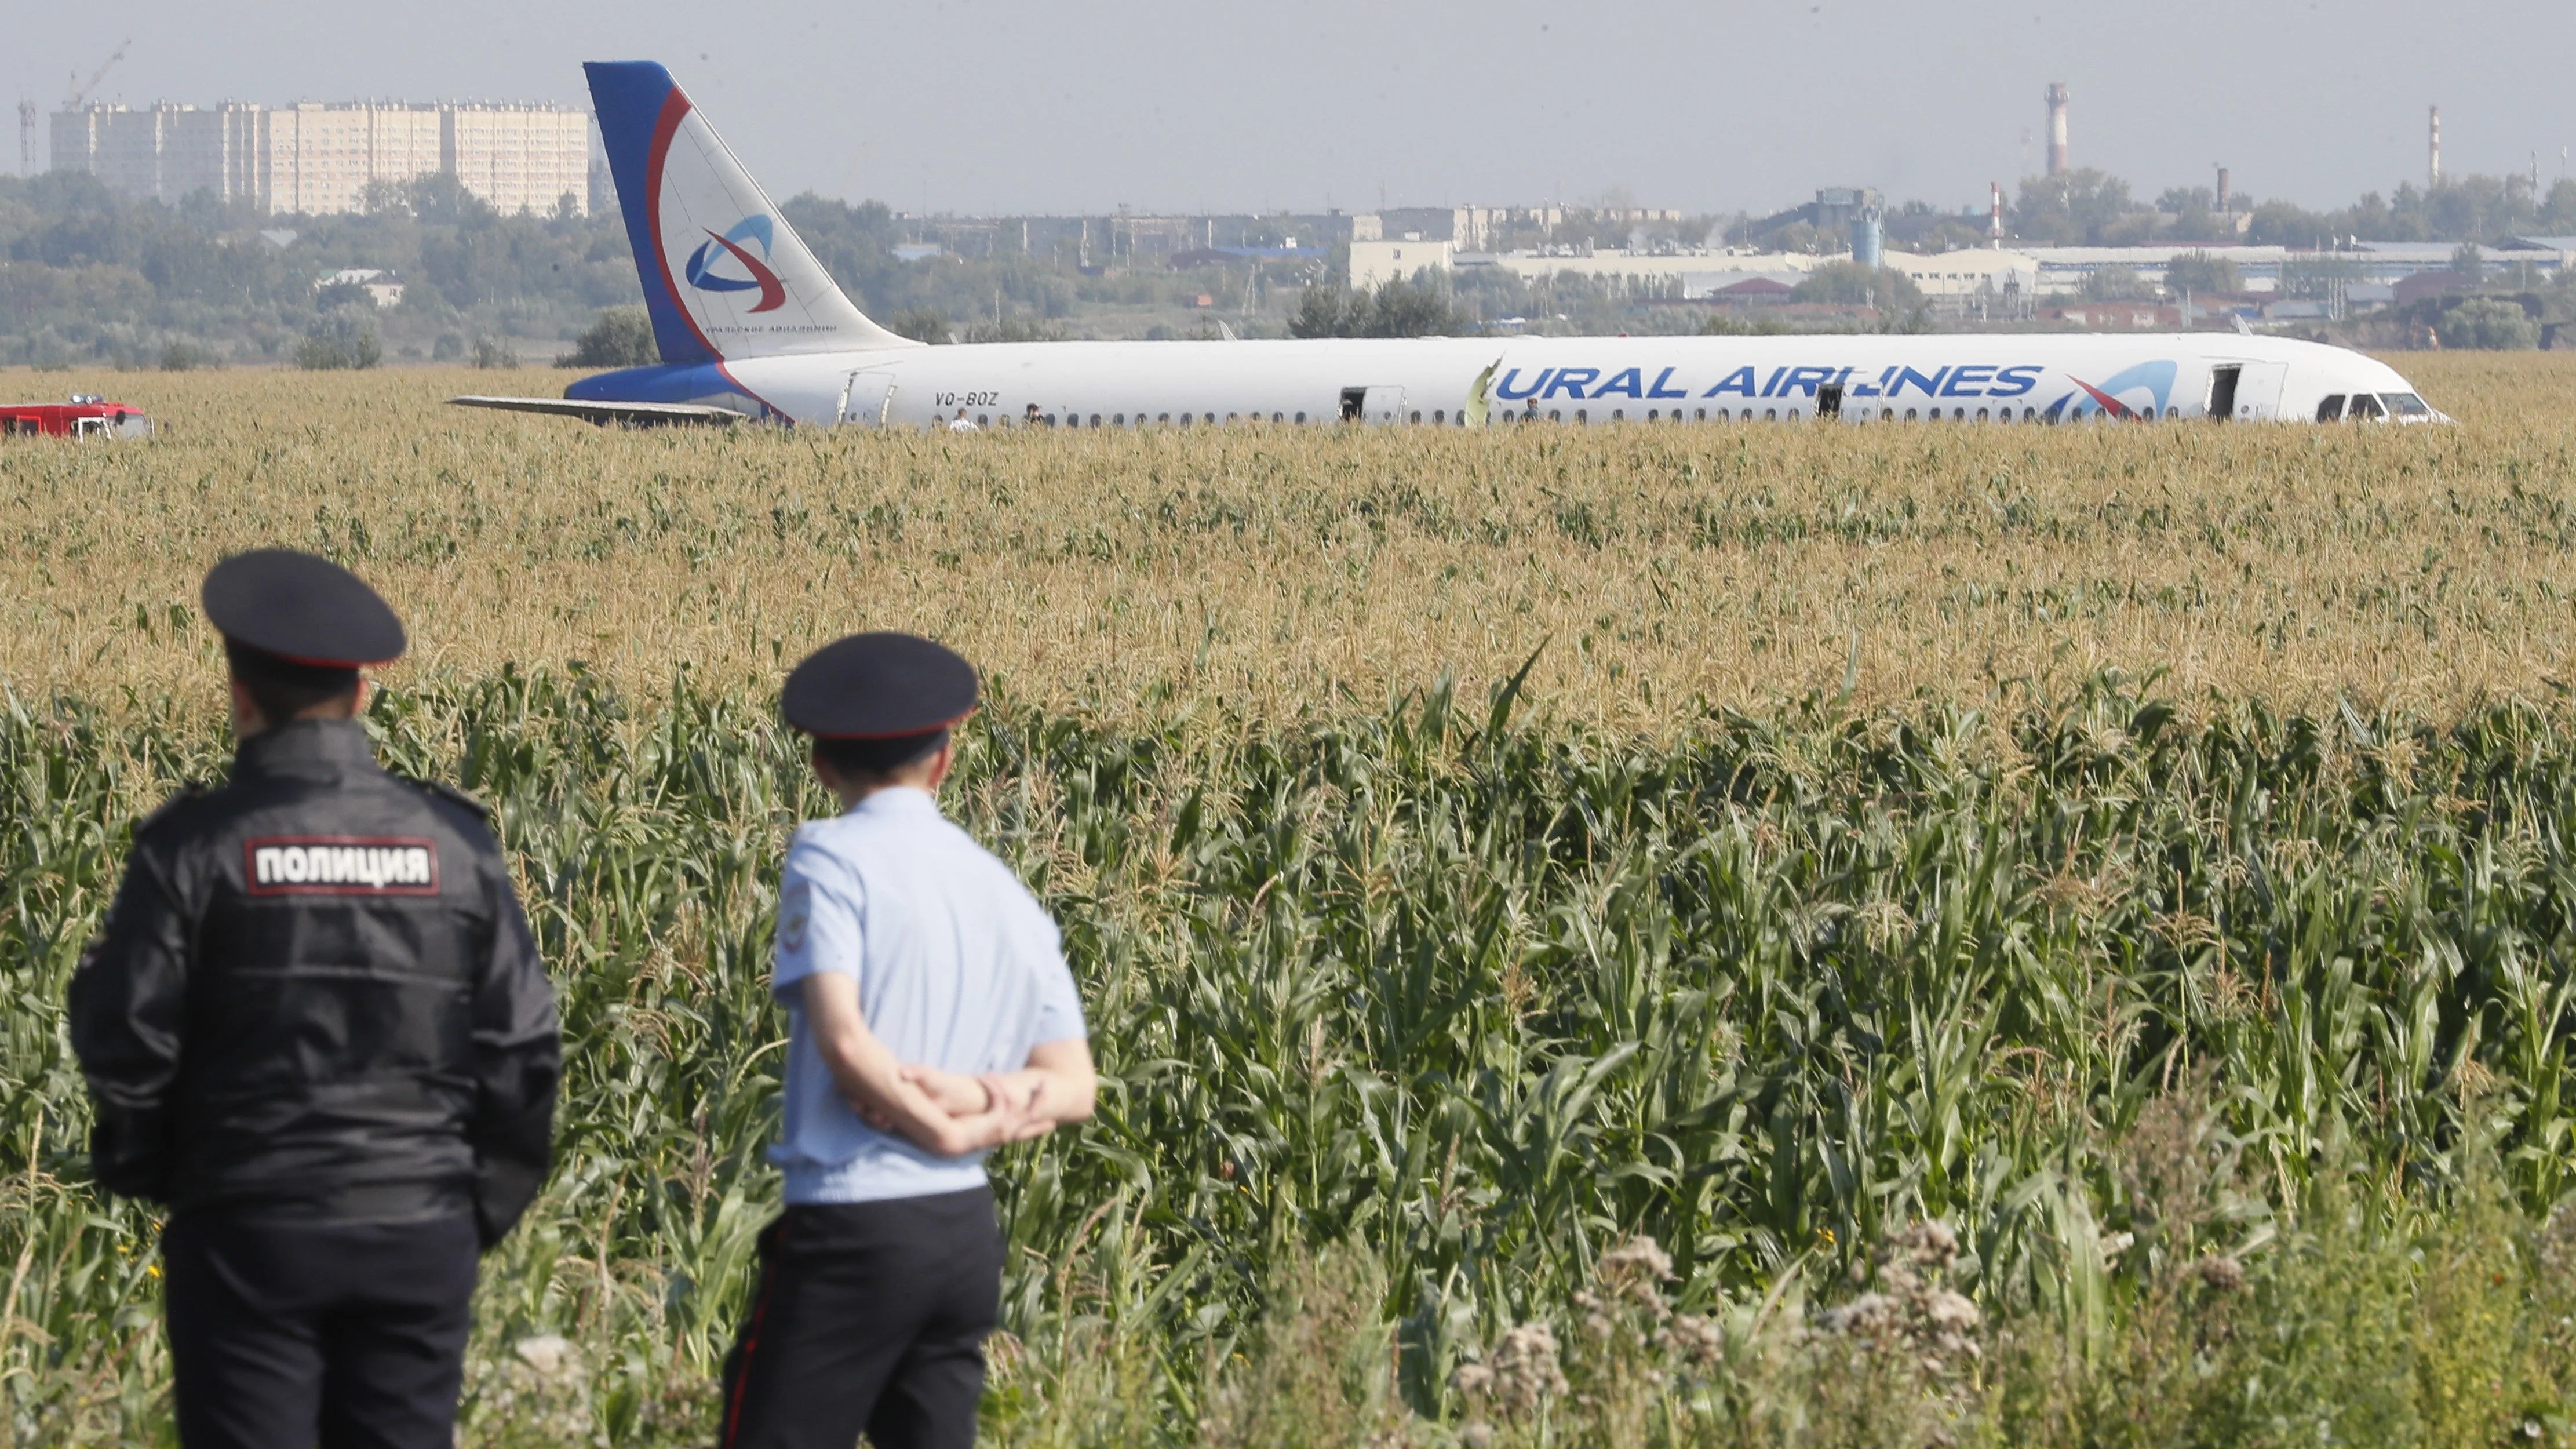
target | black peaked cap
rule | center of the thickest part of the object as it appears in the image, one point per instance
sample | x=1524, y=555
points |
x=300, y=608
x=878, y=687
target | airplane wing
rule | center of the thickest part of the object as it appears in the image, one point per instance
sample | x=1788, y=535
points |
x=632, y=414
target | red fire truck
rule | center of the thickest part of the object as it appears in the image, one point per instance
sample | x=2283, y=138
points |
x=87, y=415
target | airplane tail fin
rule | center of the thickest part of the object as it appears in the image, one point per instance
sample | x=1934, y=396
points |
x=724, y=275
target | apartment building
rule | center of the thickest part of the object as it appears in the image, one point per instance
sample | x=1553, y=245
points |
x=316, y=159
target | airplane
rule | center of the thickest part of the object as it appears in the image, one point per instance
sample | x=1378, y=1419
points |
x=751, y=328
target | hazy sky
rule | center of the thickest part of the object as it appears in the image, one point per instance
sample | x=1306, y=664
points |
x=1026, y=105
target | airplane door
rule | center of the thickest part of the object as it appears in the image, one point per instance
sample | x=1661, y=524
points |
x=1383, y=405
x=867, y=398
x=2258, y=391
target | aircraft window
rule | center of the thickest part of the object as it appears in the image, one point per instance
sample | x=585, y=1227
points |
x=1164, y=417
x=1770, y=415
x=1909, y=415
x=1207, y=417
x=2365, y=408
x=1095, y=420
x=1278, y=417
x=2331, y=410
x=1653, y=416
x=2030, y=415
x=1699, y=415
x=1439, y=415
x=1981, y=415
x=1618, y=415
x=1555, y=415
x=1583, y=415
x=2406, y=405
x=1118, y=420
x=1417, y=415
x=1301, y=417
x=1958, y=415
x=1793, y=415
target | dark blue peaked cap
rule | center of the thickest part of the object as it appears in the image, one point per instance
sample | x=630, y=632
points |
x=881, y=686
x=301, y=609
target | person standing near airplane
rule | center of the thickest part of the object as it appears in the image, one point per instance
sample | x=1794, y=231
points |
x=315, y=1025
x=932, y=1018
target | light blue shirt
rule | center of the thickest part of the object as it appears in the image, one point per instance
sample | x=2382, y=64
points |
x=958, y=968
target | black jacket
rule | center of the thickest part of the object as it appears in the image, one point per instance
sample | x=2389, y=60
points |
x=316, y=993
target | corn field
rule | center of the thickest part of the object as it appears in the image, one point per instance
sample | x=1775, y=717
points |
x=1494, y=1049
x=1297, y=573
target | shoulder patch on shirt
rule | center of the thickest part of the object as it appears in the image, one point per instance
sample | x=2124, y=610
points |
x=795, y=912
x=341, y=865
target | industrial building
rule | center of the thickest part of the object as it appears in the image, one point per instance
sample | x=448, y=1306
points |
x=315, y=159
x=1970, y=279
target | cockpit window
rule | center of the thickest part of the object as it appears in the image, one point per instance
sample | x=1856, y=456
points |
x=2365, y=408
x=2331, y=410
x=2406, y=404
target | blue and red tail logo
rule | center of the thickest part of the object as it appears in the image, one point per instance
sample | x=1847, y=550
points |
x=2155, y=379
x=702, y=263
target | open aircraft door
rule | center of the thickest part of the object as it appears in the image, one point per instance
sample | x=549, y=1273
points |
x=1372, y=404
x=867, y=397
x=2258, y=391
x=2247, y=392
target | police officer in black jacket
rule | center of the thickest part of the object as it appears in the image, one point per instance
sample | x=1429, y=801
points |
x=316, y=1027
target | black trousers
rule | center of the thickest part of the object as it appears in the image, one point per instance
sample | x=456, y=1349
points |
x=869, y=1316
x=289, y=1332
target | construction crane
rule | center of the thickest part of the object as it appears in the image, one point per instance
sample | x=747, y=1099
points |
x=71, y=102
x=81, y=92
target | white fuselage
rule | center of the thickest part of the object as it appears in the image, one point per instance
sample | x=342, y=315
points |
x=1856, y=377
x=747, y=321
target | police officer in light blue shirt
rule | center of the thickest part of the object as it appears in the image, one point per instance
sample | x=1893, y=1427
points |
x=931, y=1019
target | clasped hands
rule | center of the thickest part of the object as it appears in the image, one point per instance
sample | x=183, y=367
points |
x=970, y=1113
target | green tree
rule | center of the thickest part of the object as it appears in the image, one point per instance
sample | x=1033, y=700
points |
x=622, y=337
x=1396, y=309
x=2079, y=207
x=2468, y=263
x=344, y=337
x=1849, y=284
x=921, y=325
x=2202, y=275
x=2488, y=324
x=2558, y=210
x=334, y=295
x=2116, y=284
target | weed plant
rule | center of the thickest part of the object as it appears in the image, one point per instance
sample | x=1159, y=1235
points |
x=2097, y=1071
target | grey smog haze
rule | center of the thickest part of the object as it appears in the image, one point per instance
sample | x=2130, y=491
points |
x=1033, y=106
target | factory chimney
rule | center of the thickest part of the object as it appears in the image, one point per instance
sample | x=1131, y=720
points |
x=2057, y=128
x=2226, y=200
x=1995, y=216
x=2433, y=152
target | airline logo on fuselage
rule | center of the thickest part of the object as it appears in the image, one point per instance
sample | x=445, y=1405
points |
x=1892, y=383
x=729, y=245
